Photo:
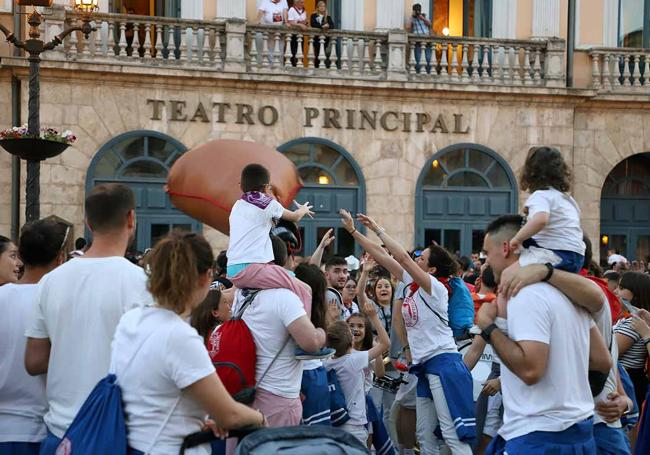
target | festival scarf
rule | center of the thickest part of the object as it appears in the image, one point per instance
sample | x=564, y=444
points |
x=259, y=200
x=444, y=280
x=614, y=303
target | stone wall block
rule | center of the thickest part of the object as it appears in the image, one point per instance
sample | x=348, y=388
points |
x=554, y=68
x=235, y=38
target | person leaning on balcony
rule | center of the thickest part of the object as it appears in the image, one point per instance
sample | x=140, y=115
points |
x=322, y=20
x=418, y=24
x=297, y=19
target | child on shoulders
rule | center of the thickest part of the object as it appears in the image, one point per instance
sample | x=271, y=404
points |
x=552, y=233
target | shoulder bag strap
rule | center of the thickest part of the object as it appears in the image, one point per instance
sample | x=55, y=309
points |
x=443, y=320
x=163, y=424
x=247, y=302
x=277, y=354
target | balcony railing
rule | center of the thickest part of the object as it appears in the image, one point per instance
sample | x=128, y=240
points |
x=620, y=70
x=232, y=46
x=477, y=61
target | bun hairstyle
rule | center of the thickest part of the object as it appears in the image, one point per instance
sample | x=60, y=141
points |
x=174, y=267
x=442, y=260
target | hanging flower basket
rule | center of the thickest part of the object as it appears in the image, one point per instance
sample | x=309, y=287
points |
x=48, y=144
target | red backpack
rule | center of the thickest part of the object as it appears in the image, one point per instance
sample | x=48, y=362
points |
x=232, y=350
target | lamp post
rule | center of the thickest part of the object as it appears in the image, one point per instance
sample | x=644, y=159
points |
x=35, y=46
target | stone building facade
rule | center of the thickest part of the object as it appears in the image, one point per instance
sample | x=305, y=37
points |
x=431, y=156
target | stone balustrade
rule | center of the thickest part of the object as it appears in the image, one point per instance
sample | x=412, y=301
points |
x=146, y=40
x=620, y=70
x=232, y=46
x=478, y=61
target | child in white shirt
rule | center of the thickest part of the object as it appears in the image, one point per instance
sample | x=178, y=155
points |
x=250, y=252
x=349, y=366
x=552, y=233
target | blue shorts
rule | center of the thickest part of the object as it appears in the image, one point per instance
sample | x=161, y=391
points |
x=570, y=261
x=315, y=389
x=578, y=439
x=19, y=448
x=611, y=441
x=234, y=269
x=49, y=444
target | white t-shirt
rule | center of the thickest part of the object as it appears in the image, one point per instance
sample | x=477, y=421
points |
x=78, y=307
x=268, y=317
x=250, y=228
x=350, y=373
x=273, y=12
x=427, y=334
x=170, y=357
x=22, y=397
x=604, y=323
x=295, y=15
x=562, y=397
x=563, y=231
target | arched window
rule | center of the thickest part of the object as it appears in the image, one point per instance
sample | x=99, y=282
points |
x=332, y=180
x=459, y=191
x=625, y=209
x=142, y=159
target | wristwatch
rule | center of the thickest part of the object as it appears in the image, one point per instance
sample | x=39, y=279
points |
x=486, y=332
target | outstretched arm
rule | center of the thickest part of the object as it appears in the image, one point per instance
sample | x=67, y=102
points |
x=317, y=257
x=422, y=278
x=374, y=249
x=580, y=290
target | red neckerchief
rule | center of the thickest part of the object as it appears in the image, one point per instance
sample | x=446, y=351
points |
x=444, y=280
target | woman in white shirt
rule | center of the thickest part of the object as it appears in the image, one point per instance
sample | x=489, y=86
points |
x=297, y=18
x=168, y=382
x=435, y=357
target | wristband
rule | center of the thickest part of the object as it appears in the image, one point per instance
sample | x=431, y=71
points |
x=353, y=231
x=646, y=341
x=549, y=274
x=380, y=231
x=485, y=333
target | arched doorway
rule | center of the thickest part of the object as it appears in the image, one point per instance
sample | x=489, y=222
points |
x=460, y=190
x=333, y=180
x=142, y=159
x=625, y=209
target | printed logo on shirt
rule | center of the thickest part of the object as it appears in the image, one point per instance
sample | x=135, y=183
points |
x=213, y=343
x=277, y=17
x=409, y=311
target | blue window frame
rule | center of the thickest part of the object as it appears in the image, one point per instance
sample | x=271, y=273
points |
x=141, y=160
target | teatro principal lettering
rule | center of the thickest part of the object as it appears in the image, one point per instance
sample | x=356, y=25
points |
x=324, y=117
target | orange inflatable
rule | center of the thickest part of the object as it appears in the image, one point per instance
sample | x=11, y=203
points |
x=204, y=182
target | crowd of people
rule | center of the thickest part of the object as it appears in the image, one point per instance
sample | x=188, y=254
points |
x=385, y=353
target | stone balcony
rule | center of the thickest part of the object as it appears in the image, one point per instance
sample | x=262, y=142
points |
x=620, y=70
x=233, y=49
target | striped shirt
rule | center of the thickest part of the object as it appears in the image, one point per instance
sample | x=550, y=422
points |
x=420, y=27
x=637, y=354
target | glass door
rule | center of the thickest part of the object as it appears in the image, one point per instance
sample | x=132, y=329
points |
x=151, y=229
x=312, y=233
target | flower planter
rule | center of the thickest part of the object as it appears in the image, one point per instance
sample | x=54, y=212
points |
x=31, y=149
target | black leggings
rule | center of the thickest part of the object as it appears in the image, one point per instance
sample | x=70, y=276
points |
x=640, y=381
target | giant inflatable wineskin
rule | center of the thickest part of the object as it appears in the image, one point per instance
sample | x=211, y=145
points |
x=204, y=182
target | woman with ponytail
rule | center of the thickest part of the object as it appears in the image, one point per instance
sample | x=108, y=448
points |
x=168, y=382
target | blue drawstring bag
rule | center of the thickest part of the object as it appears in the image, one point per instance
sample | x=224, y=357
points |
x=99, y=427
x=338, y=407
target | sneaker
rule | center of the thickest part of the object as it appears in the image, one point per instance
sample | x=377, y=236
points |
x=323, y=353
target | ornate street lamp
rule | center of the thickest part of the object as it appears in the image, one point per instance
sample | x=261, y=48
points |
x=35, y=150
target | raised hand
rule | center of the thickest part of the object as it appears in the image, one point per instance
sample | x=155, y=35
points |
x=369, y=309
x=368, y=222
x=346, y=220
x=327, y=239
x=305, y=209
